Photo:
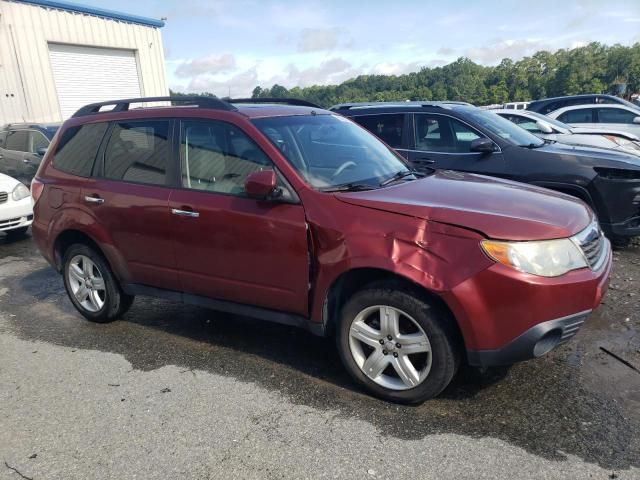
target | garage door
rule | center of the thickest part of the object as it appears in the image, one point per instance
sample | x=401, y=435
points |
x=87, y=74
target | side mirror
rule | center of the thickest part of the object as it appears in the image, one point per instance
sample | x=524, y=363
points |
x=636, y=119
x=482, y=145
x=41, y=151
x=261, y=185
x=544, y=127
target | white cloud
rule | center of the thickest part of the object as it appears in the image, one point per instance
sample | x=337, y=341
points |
x=318, y=39
x=514, y=49
x=211, y=64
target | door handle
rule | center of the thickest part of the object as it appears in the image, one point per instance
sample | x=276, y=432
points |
x=185, y=213
x=96, y=200
x=26, y=161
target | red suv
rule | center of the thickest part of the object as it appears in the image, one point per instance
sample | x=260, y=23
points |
x=293, y=214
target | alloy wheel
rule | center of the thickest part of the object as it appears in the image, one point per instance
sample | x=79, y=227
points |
x=390, y=347
x=87, y=283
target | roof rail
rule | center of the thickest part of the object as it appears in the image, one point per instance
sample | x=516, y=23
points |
x=123, y=105
x=348, y=106
x=287, y=101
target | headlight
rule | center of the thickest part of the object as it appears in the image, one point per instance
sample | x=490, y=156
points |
x=20, y=192
x=547, y=258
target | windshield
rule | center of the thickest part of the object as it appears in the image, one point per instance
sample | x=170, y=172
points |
x=503, y=128
x=551, y=121
x=330, y=151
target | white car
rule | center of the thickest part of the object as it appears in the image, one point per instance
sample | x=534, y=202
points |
x=550, y=129
x=16, y=206
x=620, y=117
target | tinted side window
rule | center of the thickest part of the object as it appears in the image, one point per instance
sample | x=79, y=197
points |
x=581, y=115
x=17, y=141
x=387, y=127
x=218, y=157
x=439, y=133
x=3, y=137
x=615, y=115
x=77, y=149
x=138, y=152
x=36, y=141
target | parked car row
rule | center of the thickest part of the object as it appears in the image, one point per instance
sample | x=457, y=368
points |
x=291, y=213
x=457, y=136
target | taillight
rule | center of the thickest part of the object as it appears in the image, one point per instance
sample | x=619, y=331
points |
x=36, y=190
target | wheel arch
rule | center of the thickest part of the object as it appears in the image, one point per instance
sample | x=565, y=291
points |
x=353, y=280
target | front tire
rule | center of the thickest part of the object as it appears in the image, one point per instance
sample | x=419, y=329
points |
x=92, y=287
x=399, y=346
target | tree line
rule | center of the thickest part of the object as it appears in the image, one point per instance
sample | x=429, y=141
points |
x=594, y=68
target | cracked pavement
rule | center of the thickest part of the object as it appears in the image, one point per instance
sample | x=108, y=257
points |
x=181, y=392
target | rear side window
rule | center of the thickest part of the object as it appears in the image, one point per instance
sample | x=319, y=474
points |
x=77, y=149
x=388, y=127
x=17, y=141
x=138, y=152
x=581, y=115
x=615, y=115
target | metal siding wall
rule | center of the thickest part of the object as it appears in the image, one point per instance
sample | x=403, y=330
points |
x=35, y=27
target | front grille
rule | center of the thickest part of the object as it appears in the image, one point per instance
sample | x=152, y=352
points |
x=593, y=244
x=3, y=197
x=11, y=222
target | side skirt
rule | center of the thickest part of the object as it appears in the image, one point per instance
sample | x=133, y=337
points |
x=259, y=313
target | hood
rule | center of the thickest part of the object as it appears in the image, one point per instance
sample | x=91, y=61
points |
x=606, y=131
x=499, y=209
x=7, y=183
x=592, y=155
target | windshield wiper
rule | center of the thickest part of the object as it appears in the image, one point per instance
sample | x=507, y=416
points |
x=532, y=145
x=347, y=187
x=400, y=175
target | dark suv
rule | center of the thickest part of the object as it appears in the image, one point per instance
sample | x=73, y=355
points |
x=293, y=214
x=22, y=146
x=456, y=136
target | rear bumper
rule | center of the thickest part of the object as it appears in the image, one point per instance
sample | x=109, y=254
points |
x=535, y=342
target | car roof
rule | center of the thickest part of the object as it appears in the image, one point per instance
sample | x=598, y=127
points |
x=251, y=108
x=356, y=106
x=30, y=125
x=274, y=110
x=560, y=111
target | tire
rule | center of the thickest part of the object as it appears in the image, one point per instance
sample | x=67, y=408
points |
x=618, y=242
x=17, y=232
x=105, y=301
x=435, y=362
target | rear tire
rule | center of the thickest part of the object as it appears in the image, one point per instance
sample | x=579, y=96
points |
x=91, y=285
x=366, y=324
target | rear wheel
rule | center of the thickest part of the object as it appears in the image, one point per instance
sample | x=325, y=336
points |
x=397, y=345
x=91, y=285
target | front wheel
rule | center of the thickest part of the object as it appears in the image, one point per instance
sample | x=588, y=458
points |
x=92, y=287
x=397, y=345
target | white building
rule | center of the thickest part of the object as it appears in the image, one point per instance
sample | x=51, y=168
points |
x=56, y=56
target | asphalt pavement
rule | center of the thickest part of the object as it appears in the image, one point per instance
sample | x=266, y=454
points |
x=180, y=392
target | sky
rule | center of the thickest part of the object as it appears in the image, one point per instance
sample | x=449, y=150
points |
x=230, y=46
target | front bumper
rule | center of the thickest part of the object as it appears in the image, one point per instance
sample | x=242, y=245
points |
x=16, y=214
x=618, y=206
x=506, y=316
x=535, y=342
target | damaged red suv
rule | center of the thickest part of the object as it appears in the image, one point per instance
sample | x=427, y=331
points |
x=289, y=213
